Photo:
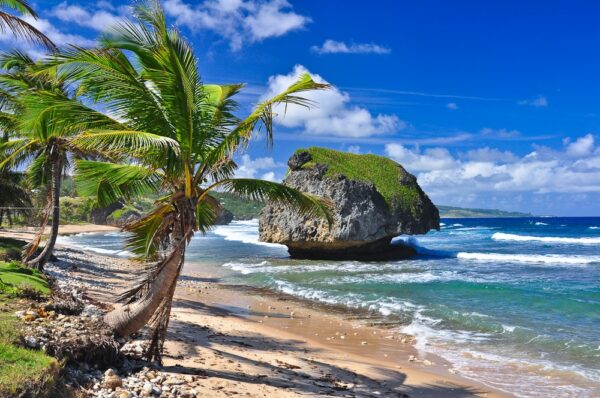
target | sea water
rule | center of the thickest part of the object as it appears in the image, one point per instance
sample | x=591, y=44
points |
x=514, y=303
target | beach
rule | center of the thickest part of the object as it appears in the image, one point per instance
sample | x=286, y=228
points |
x=243, y=341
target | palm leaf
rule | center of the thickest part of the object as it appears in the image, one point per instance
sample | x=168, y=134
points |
x=109, y=182
x=261, y=190
x=131, y=142
x=24, y=30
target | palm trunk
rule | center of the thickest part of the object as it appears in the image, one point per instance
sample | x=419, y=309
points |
x=39, y=261
x=131, y=318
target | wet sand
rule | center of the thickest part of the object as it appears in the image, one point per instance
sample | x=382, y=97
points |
x=254, y=343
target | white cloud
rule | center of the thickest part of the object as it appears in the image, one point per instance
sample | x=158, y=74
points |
x=333, y=113
x=539, y=102
x=484, y=172
x=353, y=149
x=52, y=32
x=583, y=146
x=253, y=168
x=500, y=133
x=452, y=105
x=99, y=20
x=238, y=21
x=339, y=47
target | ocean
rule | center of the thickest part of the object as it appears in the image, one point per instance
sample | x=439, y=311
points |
x=513, y=303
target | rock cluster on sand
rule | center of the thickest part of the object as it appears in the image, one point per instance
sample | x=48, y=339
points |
x=374, y=199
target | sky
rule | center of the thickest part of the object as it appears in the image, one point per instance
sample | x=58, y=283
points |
x=490, y=104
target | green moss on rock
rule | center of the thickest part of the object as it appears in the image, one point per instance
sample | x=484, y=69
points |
x=386, y=175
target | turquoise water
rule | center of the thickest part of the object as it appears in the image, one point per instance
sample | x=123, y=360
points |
x=512, y=302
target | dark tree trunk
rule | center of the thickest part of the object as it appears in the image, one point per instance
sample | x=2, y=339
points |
x=39, y=261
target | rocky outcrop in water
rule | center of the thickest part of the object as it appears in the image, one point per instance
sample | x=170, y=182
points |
x=364, y=222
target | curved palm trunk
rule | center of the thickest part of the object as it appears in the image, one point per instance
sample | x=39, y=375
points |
x=39, y=261
x=154, y=307
x=131, y=318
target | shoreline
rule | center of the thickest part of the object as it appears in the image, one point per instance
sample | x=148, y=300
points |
x=214, y=320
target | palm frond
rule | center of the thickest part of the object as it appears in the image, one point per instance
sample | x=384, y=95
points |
x=263, y=115
x=129, y=142
x=261, y=190
x=24, y=30
x=109, y=182
x=147, y=235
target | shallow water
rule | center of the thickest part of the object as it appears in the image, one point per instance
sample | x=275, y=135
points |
x=514, y=303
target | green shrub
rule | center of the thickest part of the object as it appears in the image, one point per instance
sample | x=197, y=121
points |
x=76, y=210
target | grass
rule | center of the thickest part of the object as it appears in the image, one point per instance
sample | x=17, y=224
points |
x=10, y=249
x=14, y=277
x=385, y=174
x=21, y=368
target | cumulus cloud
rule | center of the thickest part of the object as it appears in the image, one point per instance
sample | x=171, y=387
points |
x=339, y=47
x=263, y=168
x=98, y=19
x=573, y=170
x=539, y=102
x=583, y=146
x=333, y=113
x=59, y=37
x=238, y=21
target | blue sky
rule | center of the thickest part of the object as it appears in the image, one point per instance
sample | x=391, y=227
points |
x=489, y=104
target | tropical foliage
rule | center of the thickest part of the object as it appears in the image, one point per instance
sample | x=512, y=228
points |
x=176, y=136
x=18, y=26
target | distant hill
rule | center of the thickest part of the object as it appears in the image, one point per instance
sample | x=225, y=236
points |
x=247, y=209
x=459, y=212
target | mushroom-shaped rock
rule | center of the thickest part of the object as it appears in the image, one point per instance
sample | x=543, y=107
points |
x=374, y=199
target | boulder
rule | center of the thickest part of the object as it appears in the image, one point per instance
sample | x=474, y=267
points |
x=373, y=200
x=224, y=217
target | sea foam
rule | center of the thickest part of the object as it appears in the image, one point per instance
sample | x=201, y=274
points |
x=546, y=239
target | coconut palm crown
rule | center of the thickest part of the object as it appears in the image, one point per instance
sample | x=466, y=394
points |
x=146, y=75
x=40, y=140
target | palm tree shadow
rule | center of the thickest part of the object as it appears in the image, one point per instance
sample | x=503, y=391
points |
x=304, y=376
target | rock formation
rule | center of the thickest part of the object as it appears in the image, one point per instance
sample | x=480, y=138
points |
x=374, y=199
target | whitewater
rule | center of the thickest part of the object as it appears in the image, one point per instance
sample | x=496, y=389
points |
x=514, y=303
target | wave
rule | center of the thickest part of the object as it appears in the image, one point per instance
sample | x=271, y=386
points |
x=243, y=231
x=529, y=258
x=501, y=236
x=515, y=258
x=540, y=223
x=594, y=227
x=67, y=241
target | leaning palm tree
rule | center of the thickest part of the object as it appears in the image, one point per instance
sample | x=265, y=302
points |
x=18, y=26
x=146, y=75
x=43, y=140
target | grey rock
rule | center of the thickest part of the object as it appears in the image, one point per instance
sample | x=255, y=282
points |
x=363, y=224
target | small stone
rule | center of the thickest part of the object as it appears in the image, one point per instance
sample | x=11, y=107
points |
x=189, y=378
x=411, y=358
x=111, y=380
x=31, y=342
x=363, y=343
x=147, y=389
x=427, y=362
x=172, y=381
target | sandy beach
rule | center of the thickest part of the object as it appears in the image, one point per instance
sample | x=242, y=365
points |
x=248, y=342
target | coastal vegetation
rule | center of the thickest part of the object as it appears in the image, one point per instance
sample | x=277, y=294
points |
x=168, y=133
x=384, y=173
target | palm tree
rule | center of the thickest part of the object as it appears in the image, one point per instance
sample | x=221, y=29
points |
x=45, y=140
x=19, y=27
x=146, y=74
